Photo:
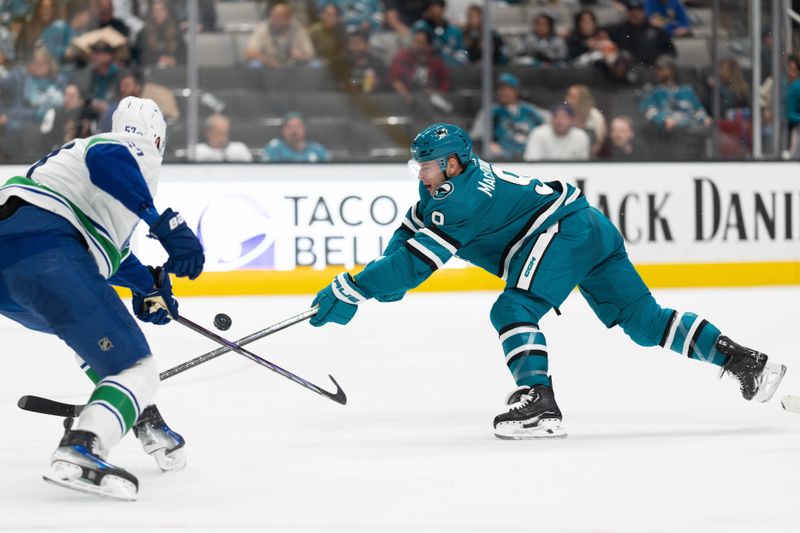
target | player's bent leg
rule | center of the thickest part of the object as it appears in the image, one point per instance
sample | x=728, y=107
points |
x=532, y=411
x=79, y=462
x=156, y=437
x=515, y=315
x=618, y=296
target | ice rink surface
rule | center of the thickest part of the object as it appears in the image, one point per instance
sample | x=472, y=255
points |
x=656, y=443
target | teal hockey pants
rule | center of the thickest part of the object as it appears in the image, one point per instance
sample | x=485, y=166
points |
x=585, y=249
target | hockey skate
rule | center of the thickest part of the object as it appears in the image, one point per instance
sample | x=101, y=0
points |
x=78, y=464
x=758, y=379
x=532, y=414
x=159, y=441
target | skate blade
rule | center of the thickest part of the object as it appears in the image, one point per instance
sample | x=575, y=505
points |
x=770, y=379
x=112, y=487
x=550, y=428
x=170, y=462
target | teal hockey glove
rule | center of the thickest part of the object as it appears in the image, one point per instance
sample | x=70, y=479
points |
x=338, y=302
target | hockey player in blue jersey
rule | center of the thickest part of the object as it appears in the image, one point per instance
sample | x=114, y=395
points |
x=64, y=234
x=542, y=239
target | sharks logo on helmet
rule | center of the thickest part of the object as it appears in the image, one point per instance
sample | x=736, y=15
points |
x=439, y=141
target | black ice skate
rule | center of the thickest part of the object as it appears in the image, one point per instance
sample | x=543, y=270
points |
x=78, y=464
x=159, y=441
x=533, y=414
x=757, y=377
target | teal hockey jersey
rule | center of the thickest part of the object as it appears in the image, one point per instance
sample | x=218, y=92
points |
x=485, y=215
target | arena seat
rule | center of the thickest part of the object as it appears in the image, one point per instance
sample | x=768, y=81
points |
x=692, y=51
x=216, y=50
x=238, y=15
x=297, y=79
x=229, y=77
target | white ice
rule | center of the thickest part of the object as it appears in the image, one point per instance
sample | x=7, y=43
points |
x=656, y=443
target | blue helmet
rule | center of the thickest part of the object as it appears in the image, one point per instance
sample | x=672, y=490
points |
x=440, y=141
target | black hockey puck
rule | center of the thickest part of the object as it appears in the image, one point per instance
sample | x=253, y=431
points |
x=222, y=321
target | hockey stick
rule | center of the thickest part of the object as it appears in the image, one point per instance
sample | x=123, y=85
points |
x=199, y=360
x=47, y=406
x=338, y=396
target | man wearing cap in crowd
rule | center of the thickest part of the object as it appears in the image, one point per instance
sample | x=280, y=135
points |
x=641, y=39
x=513, y=120
x=558, y=140
x=669, y=106
x=292, y=146
x=99, y=81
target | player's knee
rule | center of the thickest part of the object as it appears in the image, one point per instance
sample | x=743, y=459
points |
x=513, y=306
x=644, y=321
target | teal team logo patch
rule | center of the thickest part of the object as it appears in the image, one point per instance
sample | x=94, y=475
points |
x=443, y=191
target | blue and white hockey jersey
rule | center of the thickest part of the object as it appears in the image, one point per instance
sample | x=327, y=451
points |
x=100, y=184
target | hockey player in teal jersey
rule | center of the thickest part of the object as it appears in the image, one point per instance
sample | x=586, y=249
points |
x=542, y=239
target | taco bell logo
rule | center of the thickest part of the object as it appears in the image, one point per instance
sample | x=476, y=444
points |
x=237, y=233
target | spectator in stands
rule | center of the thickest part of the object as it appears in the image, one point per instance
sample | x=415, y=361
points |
x=544, y=46
x=672, y=107
x=587, y=44
x=29, y=92
x=558, y=140
x=512, y=120
x=104, y=17
x=625, y=146
x=16, y=10
x=74, y=119
x=328, y=35
x=446, y=39
x=279, y=41
x=734, y=89
x=793, y=102
x=160, y=43
x=473, y=38
x=669, y=15
x=131, y=83
x=58, y=35
x=364, y=15
x=44, y=14
x=218, y=146
x=641, y=39
x=419, y=69
x=293, y=146
x=99, y=80
x=587, y=116
x=366, y=72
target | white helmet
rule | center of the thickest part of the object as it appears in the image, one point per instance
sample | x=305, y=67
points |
x=142, y=117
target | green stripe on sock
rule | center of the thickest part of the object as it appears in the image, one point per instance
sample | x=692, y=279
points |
x=118, y=400
x=92, y=375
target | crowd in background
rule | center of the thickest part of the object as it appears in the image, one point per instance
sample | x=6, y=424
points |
x=64, y=64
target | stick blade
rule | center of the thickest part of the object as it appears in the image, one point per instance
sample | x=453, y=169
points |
x=339, y=396
x=37, y=404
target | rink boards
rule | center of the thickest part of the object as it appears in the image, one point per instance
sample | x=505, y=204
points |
x=287, y=229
